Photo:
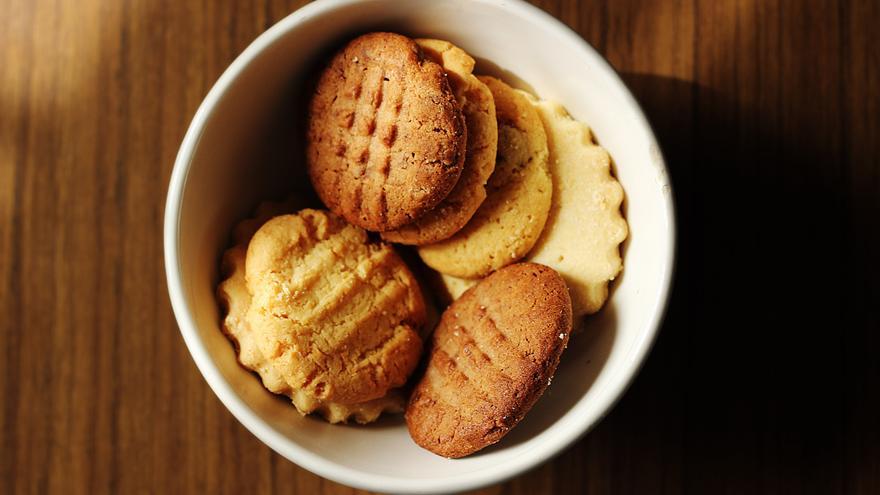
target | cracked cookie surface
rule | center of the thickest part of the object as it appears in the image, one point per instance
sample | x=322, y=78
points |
x=336, y=339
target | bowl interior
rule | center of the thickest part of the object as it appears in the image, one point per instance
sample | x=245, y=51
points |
x=243, y=148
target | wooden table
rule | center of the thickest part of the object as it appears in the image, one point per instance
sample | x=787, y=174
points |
x=765, y=378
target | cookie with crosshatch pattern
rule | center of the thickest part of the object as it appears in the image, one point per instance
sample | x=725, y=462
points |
x=386, y=136
x=336, y=339
x=492, y=356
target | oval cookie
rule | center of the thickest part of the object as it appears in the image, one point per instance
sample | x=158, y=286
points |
x=508, y=223
x=585, y=228
x=386, y=138
x=478, y=108
x=492, y=356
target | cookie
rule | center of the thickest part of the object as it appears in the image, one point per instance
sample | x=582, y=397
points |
x=508, y=223
x=235, y=298
x=339, y=314
x=585, y=227
x=478, y=108
x=493, y=354
x=283, y=352
x=386, y=137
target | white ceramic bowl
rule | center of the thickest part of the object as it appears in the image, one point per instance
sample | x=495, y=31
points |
x=226, y=165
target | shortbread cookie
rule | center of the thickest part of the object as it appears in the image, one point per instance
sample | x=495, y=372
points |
x=493, y=354
x=585, y=227
x=386, y=139
x=478, y=108
x=378, y=283
x=509, y=221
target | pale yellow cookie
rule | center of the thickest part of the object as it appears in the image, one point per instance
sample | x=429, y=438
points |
x=258, y=339
x=585, y=228
x=509, y=221
x=478, y=108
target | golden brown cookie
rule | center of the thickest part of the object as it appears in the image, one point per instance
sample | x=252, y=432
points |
x=236, y=299
x=492, y=356
x=508, y=223
x=339, y=314
x=478, y=108
x=282, y=352
x=386, y=139
x=585, y=228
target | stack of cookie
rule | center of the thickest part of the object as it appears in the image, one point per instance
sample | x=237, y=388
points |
x=506, y=197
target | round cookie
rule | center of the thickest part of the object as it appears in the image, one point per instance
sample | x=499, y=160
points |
x=478, y=108
x=585, y=227
x=386, y=137
x=493, y=354
x=507, y=224
x=337, y=315
x=235, y=299
x=378, y=294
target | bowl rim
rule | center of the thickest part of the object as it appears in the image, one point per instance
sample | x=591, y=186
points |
x=306, y=458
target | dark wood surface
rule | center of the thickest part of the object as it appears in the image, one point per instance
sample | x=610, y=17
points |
x=765, y=378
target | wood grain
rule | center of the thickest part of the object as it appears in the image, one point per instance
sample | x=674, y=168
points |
x=765, y=378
